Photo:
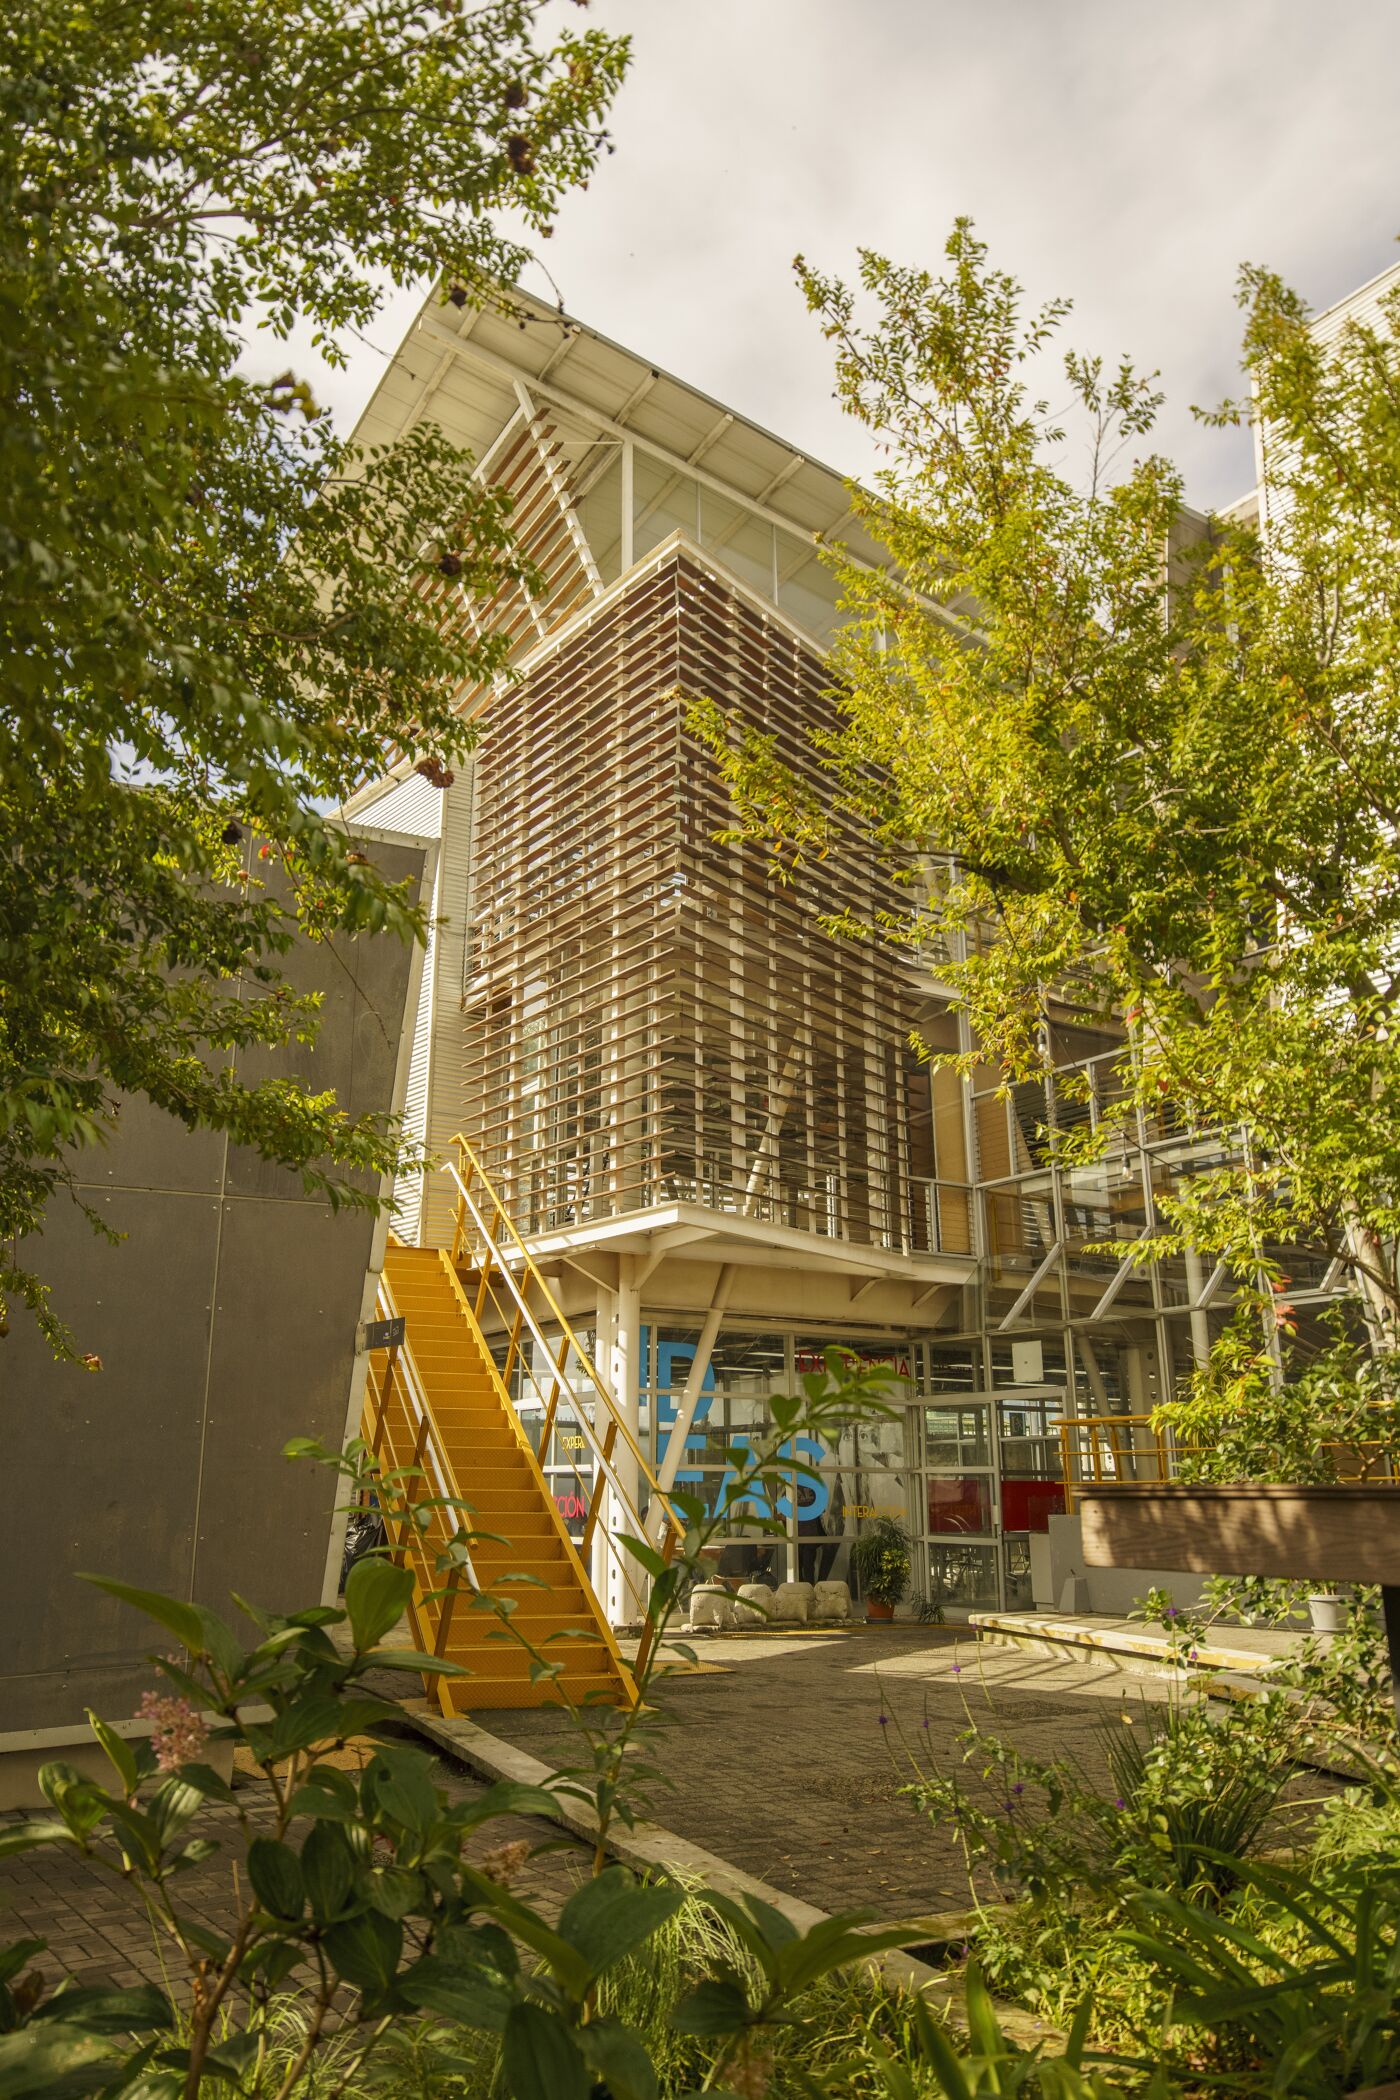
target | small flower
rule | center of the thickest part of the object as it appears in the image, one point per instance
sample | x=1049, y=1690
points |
x=177, y=1732
x=1171, y=1611
x=1120, y=1804
x=1019, y=1787
x=957, y=1669
x=884, y=1720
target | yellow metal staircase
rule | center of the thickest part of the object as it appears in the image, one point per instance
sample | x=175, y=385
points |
x=439, y=1415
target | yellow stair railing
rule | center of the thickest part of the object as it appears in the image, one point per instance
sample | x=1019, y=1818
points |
x=486, y=1243
x=431, y=1462
x=431, y=1533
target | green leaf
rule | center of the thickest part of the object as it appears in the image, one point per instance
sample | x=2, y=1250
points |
x=641, y=1550
x=415, y=1659
x=326, y=1793
x=136, y=1831
x=173, y=1805
x=80, y=1801
x=327, y=1870
x=23, y=1837
x=52, y=2063
x=619, y=2059
x=98, y=2009
x=183, y=1620
x=719, y=2005
x=315, y=1718
x=207, y=1780
x=612, y=1914
x=119, y=1753
x=937, y=2050
x=457, y=1991
x=507, y=1797
x=15, y=1958
x=981, y=2015
x=540, y=2057
x=231, y=2059
x=275, y=1873
x=214, y=1944
x=365, y=1950
x=837, y=1944
x=318, y=1801
x=400, y=1783
x=396, y=1891
x=377, y=1595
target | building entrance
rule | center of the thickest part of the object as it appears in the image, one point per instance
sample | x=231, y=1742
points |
x=990, y=1477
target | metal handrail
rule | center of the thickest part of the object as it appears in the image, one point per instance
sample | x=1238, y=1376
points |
x=1101, y=1449
x=532, y=1269
x=429, y=1452
x=503, y=1252
x=1099, y=1440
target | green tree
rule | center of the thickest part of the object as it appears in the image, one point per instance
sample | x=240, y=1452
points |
x=216, y=618
x=1146, y=762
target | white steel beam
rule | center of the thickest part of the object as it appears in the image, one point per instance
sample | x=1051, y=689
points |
x=1038, y=1276
x=560, y=491
x=1125, y=1269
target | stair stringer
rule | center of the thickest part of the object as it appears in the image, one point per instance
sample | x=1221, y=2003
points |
x=471, y=1632
x=626, y=1685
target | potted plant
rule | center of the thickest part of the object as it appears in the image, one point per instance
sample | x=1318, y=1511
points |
x=1327, y=1609
x=882, y=1560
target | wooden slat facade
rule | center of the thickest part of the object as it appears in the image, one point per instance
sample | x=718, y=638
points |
x=649, y=1017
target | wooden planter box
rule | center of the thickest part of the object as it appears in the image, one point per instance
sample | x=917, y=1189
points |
x=1321, y=1534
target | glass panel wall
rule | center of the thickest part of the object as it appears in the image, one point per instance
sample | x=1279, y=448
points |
x=969, y=1461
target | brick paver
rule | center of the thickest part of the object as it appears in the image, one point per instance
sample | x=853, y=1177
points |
x=777, y=1759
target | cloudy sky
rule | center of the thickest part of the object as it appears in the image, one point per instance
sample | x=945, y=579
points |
x=1122, y=152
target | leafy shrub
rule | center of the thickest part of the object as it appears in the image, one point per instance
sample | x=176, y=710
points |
x=1301, y=1998
x=356, y=1894
x=1187, y=1789
x=882, y=1559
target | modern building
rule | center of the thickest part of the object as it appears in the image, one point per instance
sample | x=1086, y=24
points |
x=702, y=1111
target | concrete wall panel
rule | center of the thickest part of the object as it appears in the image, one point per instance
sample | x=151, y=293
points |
x=279, y=1367
x=225, y=1319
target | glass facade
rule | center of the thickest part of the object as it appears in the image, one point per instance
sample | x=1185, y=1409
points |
x=971, y=1471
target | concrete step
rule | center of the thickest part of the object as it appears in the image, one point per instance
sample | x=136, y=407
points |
x=1129, y=1646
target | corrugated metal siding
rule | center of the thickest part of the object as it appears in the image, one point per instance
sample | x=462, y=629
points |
x=446, y=1107
x=413, y=805
x=1362, y=306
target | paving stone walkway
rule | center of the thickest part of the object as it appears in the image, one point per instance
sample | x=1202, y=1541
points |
x=97, y=1928
x=778, y=1760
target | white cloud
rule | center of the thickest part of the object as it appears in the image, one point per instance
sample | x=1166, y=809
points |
x=1124, y=153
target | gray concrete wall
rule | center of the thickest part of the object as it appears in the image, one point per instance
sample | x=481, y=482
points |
x=225, y=1320
x=1061, y=1581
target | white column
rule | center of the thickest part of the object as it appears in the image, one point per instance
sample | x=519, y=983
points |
x=1200, y=1323
x=626, y=1582
x=605, y=1324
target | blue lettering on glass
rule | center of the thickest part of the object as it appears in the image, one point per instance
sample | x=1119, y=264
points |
x=672, y=1369
x=757, y=1498
x=670, y=1386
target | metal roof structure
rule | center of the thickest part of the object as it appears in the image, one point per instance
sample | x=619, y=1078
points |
x=464, y=371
